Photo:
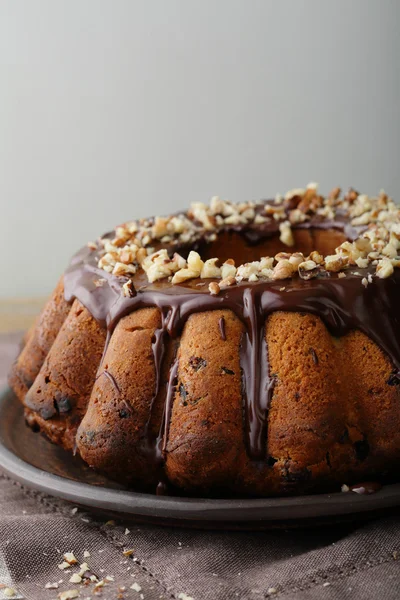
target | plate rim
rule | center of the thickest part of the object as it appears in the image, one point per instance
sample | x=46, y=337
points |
x=223, y=510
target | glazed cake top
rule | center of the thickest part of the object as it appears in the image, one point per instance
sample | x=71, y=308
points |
x=370, y=224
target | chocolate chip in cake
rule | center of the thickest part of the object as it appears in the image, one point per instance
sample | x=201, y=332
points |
x=63, y=404
x=394, y=379
x=183, y=394
x=197, y=363
x=227, y=371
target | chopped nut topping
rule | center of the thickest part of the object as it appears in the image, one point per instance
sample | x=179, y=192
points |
x=384, y=268
x=286, y=236
x=227, y=282
x=128, y=291
x=214, y=288
x=283, y=270
x=228, y=269
x=210, y=269
x=308, y=269
x=185, y=274
x=335, y=263
x=296, y=259
x=316, y=257
x=307, y=265
x=131, y=246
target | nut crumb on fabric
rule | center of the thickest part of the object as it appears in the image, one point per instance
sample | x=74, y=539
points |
x=68, y=595
x=70, y=558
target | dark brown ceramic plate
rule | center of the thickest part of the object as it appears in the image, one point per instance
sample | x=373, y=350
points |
x=32, y=460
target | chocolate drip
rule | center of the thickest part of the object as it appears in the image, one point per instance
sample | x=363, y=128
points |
x=110, y=378
x=172, y=381
x=221, y=325
x=123, y=412
x=151, y=443
x=343, y=304
x=256, y=384
x=158, y=348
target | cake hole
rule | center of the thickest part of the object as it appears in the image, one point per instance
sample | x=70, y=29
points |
x=235, y=245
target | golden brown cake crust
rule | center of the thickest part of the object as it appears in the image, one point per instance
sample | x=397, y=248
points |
x=112, y=433
x=61, y=391
x=206, y=429
x=39, y=341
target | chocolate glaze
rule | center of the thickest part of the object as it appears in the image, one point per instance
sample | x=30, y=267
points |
x=343, y=304
x=221, y=325
x=110, y=378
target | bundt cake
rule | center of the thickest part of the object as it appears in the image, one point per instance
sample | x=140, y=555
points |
x=234, y=349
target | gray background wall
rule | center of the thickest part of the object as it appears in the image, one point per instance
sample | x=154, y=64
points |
x=113, y=109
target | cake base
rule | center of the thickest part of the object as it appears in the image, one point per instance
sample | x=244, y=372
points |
x=35, y=462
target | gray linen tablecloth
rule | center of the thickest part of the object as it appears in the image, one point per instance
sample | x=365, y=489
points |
x=357, y=561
